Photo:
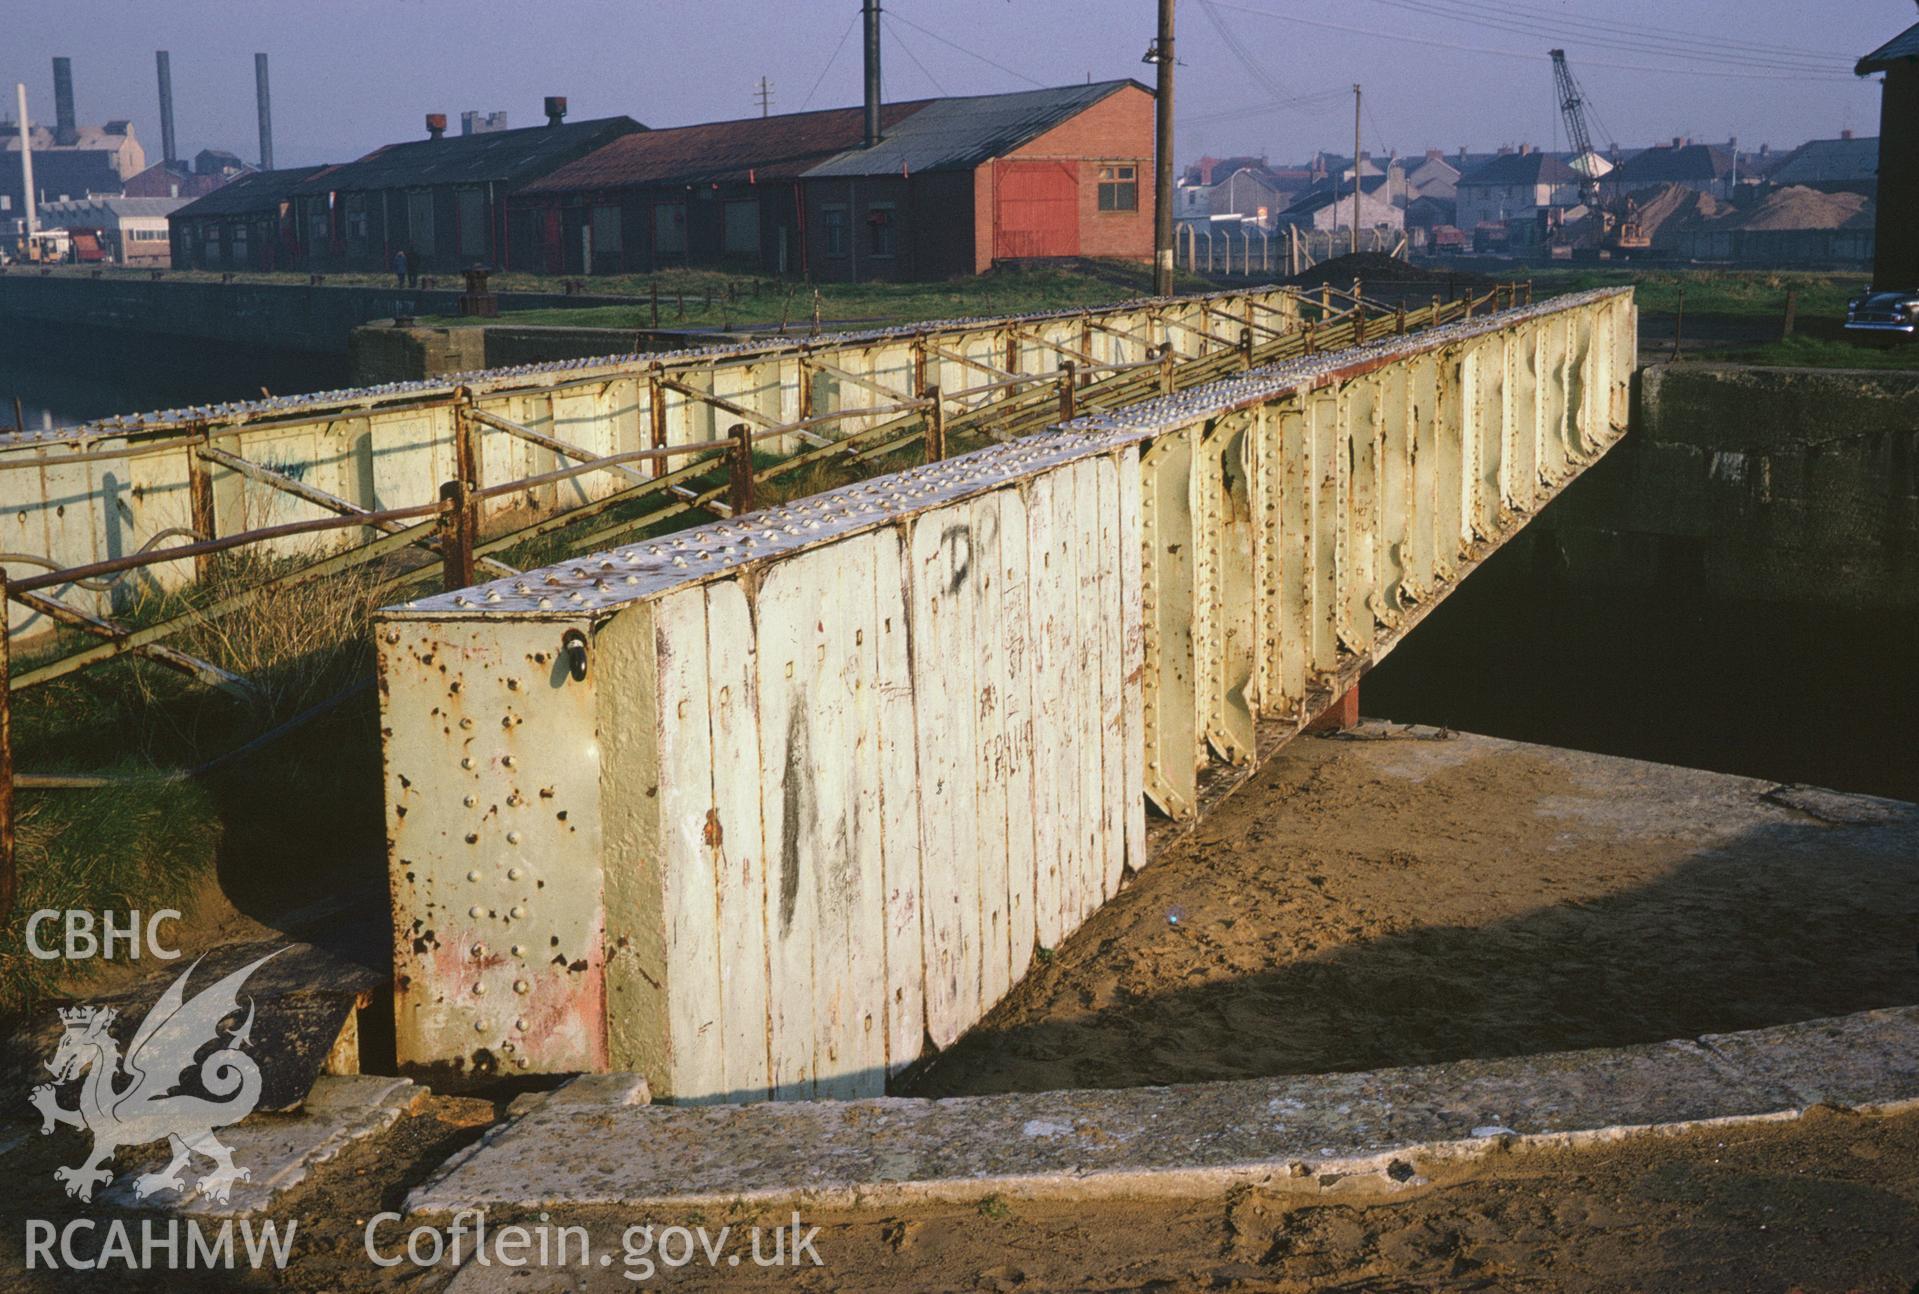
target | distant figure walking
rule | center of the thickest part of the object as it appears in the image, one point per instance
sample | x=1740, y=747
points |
x=399, y=268
x=412, y=255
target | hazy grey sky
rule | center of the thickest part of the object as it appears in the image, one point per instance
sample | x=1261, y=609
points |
x=351, y=74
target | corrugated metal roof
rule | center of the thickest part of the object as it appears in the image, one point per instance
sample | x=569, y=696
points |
x=1902, y=48
x=493, y=155
x=1522, y=168
x=721, y=152
x=959, y=134
x=255, y=191
x=105, y=209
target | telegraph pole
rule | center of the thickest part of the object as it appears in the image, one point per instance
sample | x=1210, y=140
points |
x=765, y=93
x=1356, y=103
x=1162, y=54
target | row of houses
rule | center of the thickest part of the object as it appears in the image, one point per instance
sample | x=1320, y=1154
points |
x=952, y=185
x=1520, y=186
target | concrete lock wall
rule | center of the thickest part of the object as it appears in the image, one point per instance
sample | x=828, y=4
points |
x=111, y=488
x=1795, y=486
x=768, y=808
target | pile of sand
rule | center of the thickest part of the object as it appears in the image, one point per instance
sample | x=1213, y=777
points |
x=1798, y=207
x=1668, y=210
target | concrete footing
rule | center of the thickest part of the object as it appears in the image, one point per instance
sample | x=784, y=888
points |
x=1312, y=1133
x=279, y=1151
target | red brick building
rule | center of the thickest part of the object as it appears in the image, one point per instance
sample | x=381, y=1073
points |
x=723, y=194
x=963, y=183
x=954, y=185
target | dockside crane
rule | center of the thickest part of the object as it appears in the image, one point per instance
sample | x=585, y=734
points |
x=1572, y=105
x=1621, y=230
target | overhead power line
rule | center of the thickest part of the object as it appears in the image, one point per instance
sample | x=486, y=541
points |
x=1693, y=51
x=1561, y=19
x=1239, y=51
x=1532, y=55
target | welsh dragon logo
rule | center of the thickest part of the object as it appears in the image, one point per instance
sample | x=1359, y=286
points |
x=146, y=1108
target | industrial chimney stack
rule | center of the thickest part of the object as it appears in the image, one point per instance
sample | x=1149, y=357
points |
x=163, y=64
x=266, y=111
x=871, y=9
x=64, y=130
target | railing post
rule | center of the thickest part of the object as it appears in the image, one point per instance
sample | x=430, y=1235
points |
x=1246, y=347
x=919, y=361
x=935, y=425
x=1439, y=310
x=9, y=867
x=456, y=535
x=1359, y=322
x=740, y=469
x=1306, y=336
x=466, y=453
x=656, y=413
x=1529, y=291
x=1399, y=319
x=200, y=503
x=1166, y=368
x=1468, y=300
x=1068, y=402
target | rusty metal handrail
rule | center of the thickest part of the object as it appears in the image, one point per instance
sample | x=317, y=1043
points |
x=454, y=515
x=68, y=575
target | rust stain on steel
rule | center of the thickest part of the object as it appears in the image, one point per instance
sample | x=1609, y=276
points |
x=1258, y=529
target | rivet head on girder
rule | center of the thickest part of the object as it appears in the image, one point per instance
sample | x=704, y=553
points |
x=466, y=761
x=479, y=990
x=473, y=875
x=393, y=635
x=478, y=950
x=516, y=912
x=518, y=950
x=514, y=873
x=481, y=1026
x=512, y=837
x=476, y=911
x=520, y=1025
x=470, y=800
x=520, y=986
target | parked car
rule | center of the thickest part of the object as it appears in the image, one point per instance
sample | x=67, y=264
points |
x=1884, y=312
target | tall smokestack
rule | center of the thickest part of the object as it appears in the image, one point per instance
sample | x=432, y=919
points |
x=164, y=66
x=871, y=9
x=64, y=130
x=26, y=160
x=266, y=111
